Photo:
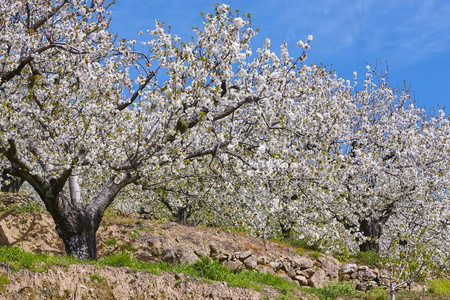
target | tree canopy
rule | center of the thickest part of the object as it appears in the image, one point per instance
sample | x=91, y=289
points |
x=246, y=137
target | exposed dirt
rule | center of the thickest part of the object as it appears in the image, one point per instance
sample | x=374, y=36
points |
x=77, y=282
x=144, y=239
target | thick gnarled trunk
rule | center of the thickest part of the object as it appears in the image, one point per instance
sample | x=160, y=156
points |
x=76, y=222
x=76, y=226
x=80, y=244
x=372, y=230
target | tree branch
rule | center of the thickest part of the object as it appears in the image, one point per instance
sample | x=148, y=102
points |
x=209, y=151
x=45, y=18
x=136, y=93
x=230, y=110
x=106, y=196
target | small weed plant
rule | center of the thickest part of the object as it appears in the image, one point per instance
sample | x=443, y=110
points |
x=97, y=278
x=3, y=281
x=31, y=207
x=111, y=241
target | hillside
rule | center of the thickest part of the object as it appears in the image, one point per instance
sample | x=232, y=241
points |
x=151, y=241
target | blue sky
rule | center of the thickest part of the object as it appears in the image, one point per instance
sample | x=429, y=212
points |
x=412, y=35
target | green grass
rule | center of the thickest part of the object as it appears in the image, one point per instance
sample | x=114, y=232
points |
x=439, y=287
x=111, y=241
x=26, y=208
x=332, y=290
x=206, y=269
x=133, y=235
x=128, y=247
x=370, y=258
x=209, y=269
x=19, y=259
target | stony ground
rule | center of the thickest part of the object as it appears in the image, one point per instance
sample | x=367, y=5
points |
x=120, y=283
x=144, y=239
x=155, y=240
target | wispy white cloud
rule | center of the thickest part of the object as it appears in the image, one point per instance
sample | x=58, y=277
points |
x=403, y=30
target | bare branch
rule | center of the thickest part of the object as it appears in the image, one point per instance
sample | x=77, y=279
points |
x=230, y=110
x=136, y=93
x=209, y=151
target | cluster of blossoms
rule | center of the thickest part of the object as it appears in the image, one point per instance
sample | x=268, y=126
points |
x=210, y=129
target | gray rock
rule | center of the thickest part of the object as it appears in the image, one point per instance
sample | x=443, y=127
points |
x=223, y=257
x=235, y=265
x=168, y=255
x=317, y=279
x=251, y=262
x=349, y=268
x=344, y=277
x=285, y=277
x=286, y=266
x=265, y=269
x=362, y=286
x=372, y=283
x=263, y=260
x=275, y=265
x=301, y=280
x=330, y=265
x=213, y=250
x=367, y=275
x=244, y=255
x=302, y=262
x=291, y=272
x=184, y=255
x=307, y=272
x=202, y=252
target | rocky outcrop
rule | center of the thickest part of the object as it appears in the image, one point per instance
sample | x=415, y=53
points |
x=362, y=277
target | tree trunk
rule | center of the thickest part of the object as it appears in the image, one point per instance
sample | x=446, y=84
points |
x=182, y=214
x=371, y=229
x=10, y=184
x=392, y=290
x=76, y=223
x=81, y=245
x=75, y=226
x=286, y=228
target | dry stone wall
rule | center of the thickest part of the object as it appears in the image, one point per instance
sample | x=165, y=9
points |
x=301, y=270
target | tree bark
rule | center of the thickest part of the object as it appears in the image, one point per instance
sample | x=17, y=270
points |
x=372, y=230
x=10, y=184
x=78, y=230
x=77, y=223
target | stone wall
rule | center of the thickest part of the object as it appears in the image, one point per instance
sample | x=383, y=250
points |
x=302, y=270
